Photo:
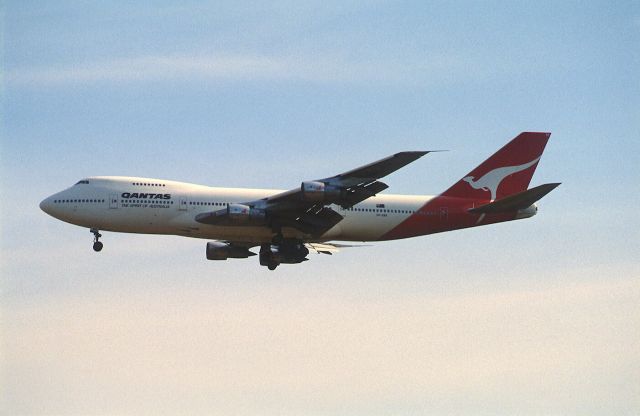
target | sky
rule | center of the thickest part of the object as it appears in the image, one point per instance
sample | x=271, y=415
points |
x=529, y=317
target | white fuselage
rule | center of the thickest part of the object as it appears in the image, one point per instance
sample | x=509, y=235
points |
x=154, y=206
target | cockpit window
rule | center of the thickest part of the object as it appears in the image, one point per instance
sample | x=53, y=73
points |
x=82, y=181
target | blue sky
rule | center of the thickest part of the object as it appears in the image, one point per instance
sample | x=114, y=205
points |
x=528, y=317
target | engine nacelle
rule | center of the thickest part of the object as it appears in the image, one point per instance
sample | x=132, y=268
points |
x=319, y=191
x=217, y=250
x=242, y=214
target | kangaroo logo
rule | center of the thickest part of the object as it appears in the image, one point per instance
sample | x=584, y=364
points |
x=491, y=180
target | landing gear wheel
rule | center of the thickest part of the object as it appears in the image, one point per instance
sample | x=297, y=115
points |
x=268, y=257
x=97, y=245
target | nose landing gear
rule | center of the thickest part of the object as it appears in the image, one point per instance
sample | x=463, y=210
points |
x=97, y=245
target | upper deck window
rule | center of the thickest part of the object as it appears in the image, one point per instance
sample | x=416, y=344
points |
x=85, y=181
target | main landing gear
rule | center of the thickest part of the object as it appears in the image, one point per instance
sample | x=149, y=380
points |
x=269, y=253
x=97, y=245
x=282, y=251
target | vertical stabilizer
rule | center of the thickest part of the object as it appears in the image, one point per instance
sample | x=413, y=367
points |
x=506, y=172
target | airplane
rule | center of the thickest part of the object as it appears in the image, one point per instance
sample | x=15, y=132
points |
x=286, y=225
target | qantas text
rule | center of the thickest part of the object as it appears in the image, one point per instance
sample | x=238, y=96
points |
x=127, y=195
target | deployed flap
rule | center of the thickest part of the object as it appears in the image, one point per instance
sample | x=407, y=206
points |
x=358, y=194
x=314, y=221
x=517, y=201
x=324, y=218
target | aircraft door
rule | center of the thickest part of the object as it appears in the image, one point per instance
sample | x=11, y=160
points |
x=113, y=201
x=182, y=203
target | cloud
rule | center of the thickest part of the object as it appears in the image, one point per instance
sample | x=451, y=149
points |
x=557, y=350
x=152, y=68
x=239, y=67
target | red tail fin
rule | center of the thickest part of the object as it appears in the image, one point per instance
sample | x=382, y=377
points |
x=507, y=172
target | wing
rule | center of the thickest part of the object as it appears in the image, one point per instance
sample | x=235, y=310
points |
x=306, y=208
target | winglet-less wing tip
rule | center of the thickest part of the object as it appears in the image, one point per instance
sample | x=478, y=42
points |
x=382, y=167
x=415, y=154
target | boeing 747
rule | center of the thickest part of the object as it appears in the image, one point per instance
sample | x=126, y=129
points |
x=286, y=225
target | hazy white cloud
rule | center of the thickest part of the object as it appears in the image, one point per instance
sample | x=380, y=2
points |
x=151, y=68
x=316, y=68
x=558, y=350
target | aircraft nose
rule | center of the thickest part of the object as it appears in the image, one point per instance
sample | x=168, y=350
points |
x=46, y=205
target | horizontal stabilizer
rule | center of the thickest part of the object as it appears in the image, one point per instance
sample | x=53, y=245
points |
x=322, y=248
x=330, y=248
x=517, y=201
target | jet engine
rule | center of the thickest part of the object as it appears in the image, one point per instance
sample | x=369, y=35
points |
x=319, y=191
x=242, y=214
x=217, y=250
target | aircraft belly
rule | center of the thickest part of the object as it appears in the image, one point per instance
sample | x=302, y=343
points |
x=146, y=221
x=248, y=234
x=367, y=227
